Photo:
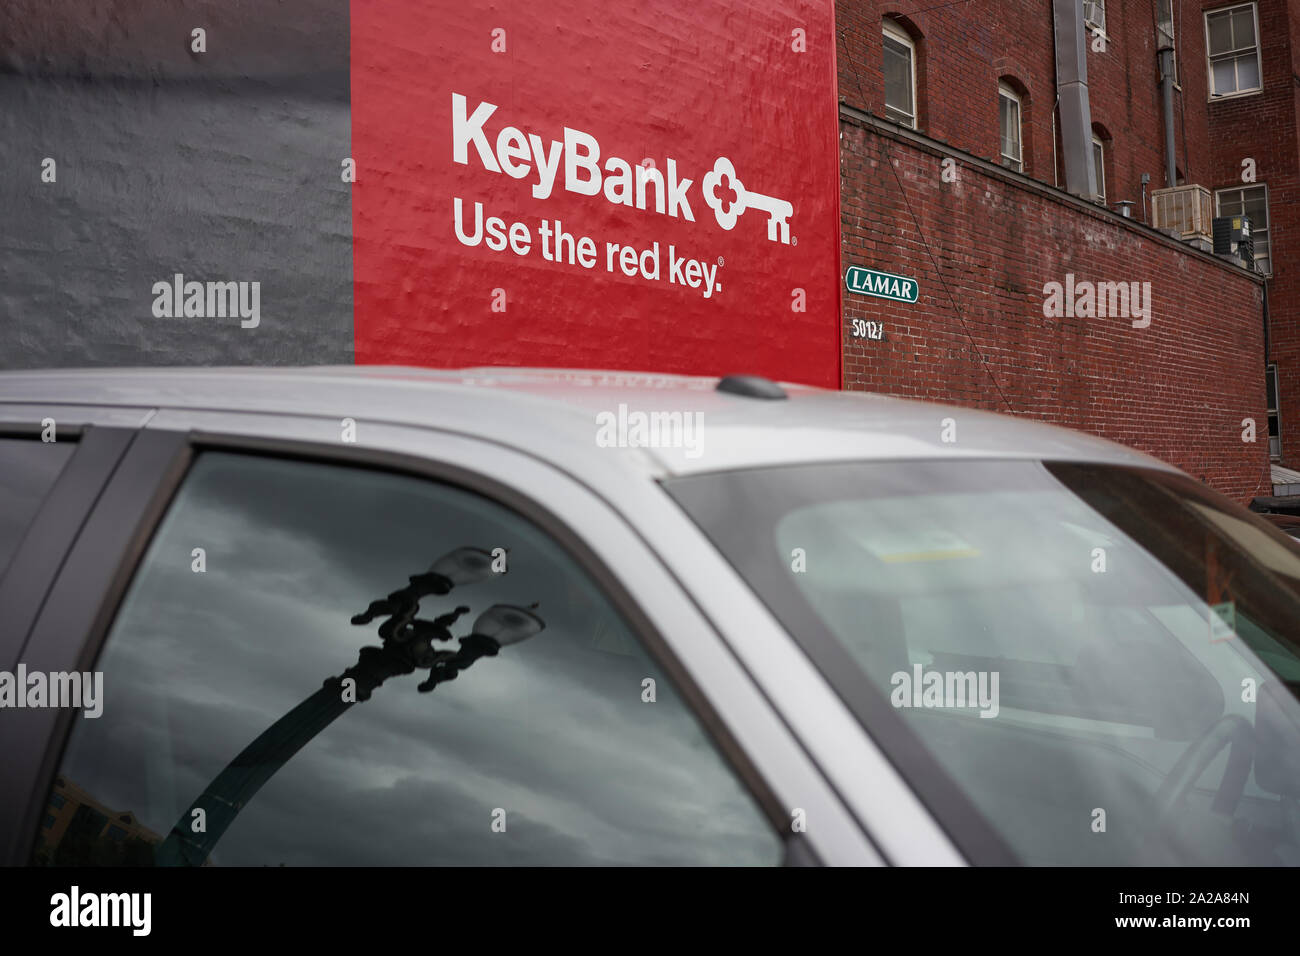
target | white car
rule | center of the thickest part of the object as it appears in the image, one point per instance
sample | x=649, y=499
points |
x=501, y=616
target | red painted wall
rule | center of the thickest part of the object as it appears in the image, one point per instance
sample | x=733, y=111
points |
x=680, y=83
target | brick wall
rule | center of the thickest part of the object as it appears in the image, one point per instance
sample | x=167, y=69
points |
x=963, y=49
x=1177, y=389
x=1263, y=127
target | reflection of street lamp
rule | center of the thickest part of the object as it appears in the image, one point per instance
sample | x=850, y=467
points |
x=507, y=624
x=407, y=646
x=497, y=627
x=463, y=566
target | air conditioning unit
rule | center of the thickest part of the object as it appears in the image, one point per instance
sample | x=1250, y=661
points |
x=1186, y=212
x=1094, y=14
x=1232, y=238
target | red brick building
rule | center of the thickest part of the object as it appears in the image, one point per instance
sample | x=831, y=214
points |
x=989, y=152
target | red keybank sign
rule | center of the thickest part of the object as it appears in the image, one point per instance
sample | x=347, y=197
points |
x=632, y=185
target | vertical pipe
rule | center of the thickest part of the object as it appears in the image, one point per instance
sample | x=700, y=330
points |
x=1266, y=330
x=1167, y=91
x=1056, y=178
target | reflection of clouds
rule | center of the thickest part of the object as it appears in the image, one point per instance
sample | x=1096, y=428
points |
x=427, y=826
x=552, y=730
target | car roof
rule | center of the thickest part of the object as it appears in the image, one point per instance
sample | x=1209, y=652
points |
x=555, y=414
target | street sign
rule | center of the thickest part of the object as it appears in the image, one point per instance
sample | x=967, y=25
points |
x=883, y=285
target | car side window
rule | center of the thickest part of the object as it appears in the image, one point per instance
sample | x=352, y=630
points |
x=326, y=665
x=28, y=470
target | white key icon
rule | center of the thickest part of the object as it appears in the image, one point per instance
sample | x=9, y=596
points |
x=724, y=177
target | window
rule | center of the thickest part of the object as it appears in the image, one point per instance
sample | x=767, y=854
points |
x=951, y=592
x=1231, y=40
x=1274, y=418
x=1165, y=31
x=1099, y=164
x=1251, y=201
x=1009, y=126
x=57, y=801
x=298, y=651
x=1094, y=15
x=900, y=76
x=48, y=821
x=28, y=469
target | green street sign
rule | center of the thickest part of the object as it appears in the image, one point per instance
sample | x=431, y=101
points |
x=883, y=285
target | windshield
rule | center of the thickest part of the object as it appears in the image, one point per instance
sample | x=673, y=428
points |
x=1071, y=663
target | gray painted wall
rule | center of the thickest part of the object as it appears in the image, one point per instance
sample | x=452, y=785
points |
x=223, y=165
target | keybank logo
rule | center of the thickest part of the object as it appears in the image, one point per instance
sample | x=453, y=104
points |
x=573, y=163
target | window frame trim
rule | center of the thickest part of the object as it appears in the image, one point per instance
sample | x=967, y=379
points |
x=1268, y=229
x=1093, y=26
x=1101, y=171
x=890, y=28
x=1210, y=94
x=53, y=530
x=1007, y=91
x=77, y=607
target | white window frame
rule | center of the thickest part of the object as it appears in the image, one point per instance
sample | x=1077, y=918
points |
x=897, y=33
x=1254, y=226
x=1008, y=92
x=1100, y=144
x=1098, y=26
x=1209, y=62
